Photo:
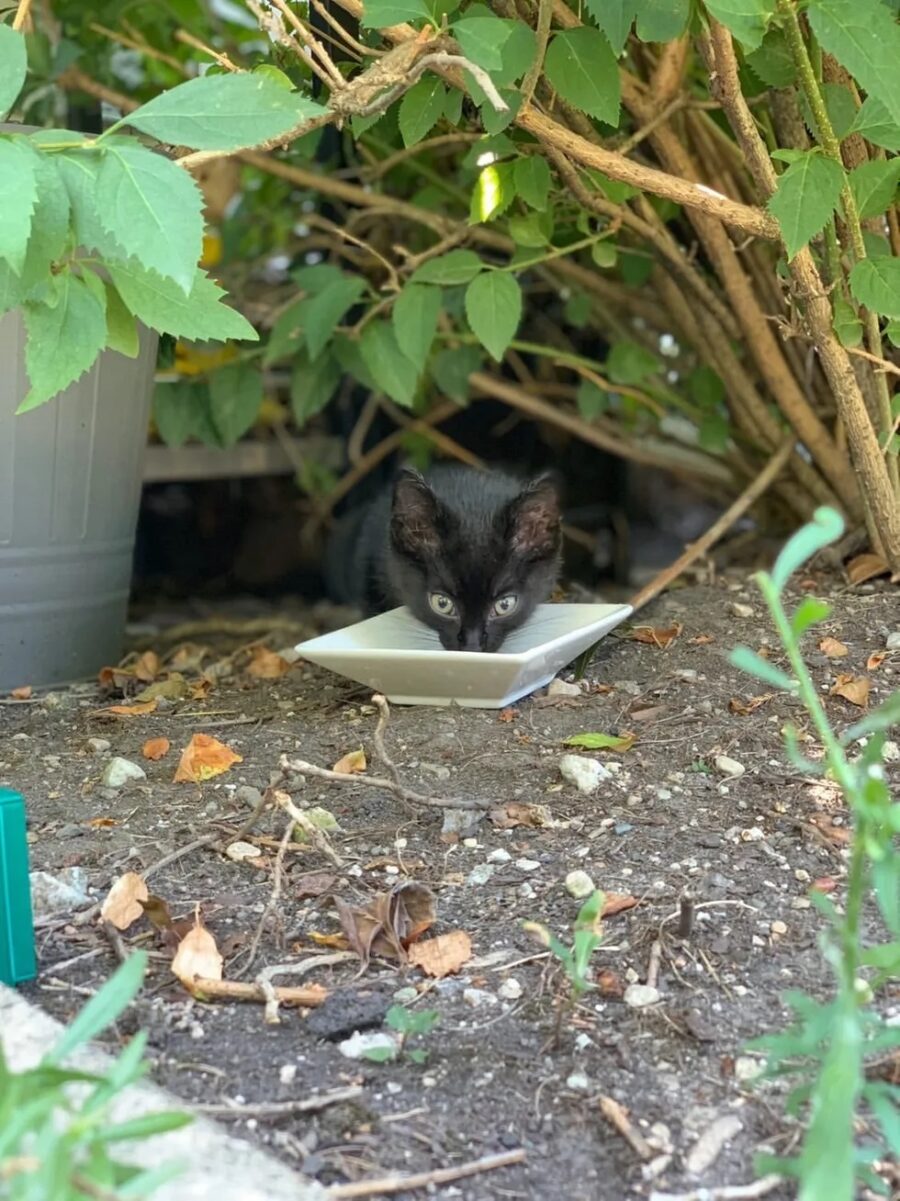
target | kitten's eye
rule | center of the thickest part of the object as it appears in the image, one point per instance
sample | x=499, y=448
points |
x=504, y=606
x=442, y=604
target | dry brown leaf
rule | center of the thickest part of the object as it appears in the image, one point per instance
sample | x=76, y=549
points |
x=659, y=636
x=389, y=923
x=266, y=664
x=204, y=757
x=22, y=694
x=314, y=884
x=823, y=822
x=743, y=708
x=102, y=823
x=188, y=657
x=701, y=640
x=147, y=667
x=116, y=677
x=442, y=956
x=197, y=956
x=617, y=902
x=833, y=648
x=352, y=764
x=866, y=567
x=173, y=688
x=610, y=984
x=155, y=748
x=507, y=715
x=854, y=689
x=520, y=813
x=158, y=914
x=875, y=660
x=648, y=713
x=140, y=709
x=338, y=942
x=122, y=905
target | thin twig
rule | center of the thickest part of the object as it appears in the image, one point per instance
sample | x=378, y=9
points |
x=725, y=1192
x=182, y=35
x=274, y=897
x=421, y=1180
x=273, y=995
x=274, y=1109
x=440, y=58
x=618, y=1119
x=22, y=14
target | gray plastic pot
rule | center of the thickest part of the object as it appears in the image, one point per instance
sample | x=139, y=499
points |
x=70, y=486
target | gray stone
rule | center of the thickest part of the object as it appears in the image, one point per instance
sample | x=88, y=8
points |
x=586, y=774
x=60, y=893
x=119, y=771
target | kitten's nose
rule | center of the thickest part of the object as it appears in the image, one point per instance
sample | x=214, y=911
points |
x=471, y=639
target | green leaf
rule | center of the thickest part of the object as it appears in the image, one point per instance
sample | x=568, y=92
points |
x=840, y=106
x=493, y=310
x=605, y=254
x=494, y=192
x=322, y=314
x=810, y=611
x=746, y=19
x=13, y=66
x=874, y=186
x=531, y=229
x=415, y=318
x=121, y=327
x=175, y=410
x=714, y=432
x=847, y=324
x=876, y=284
x=806, y=196
x=601, y=742
x=518, y=53
x=223, y=112
x=748, y=661
x=379, y=14
x=316, y=278
x=482, y=39
x=877, y=125
x=615, y=191
x=49, y=230
x=80, y=170
x=591, y=400
x=531, y=178
x=102, y=1009
x=662, y=20
x=705, y=387
x=826, y=527
x=450, y=370
x=63, y=341
x=235, y=394
x=421, y=109
x=312, y=385
x=629, y=363
x=160, y=303
x=18, y=196
x=152, y=209
x=863, y=36
x=773, y=62
x=287, y=334
x=143, y=1127
x=392, y=371
x=615, y=18
x=454, y=267
x=381, y=1054
x=581, y=66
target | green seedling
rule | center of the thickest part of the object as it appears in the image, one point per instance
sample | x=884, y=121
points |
x=824, y=1052
x=575, y=959
x=409, y=1025
x=56, y=1131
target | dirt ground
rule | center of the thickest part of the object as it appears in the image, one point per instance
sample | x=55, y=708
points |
x=668, y=822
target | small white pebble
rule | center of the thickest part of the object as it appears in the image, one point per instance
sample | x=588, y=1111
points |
x=639, y=996
x=510, y=989
x=754, y=834
x=579, y=884
x=527, y=865
x=740, y=610
x=778, y=928
x=499, y=855
x=578, y=1082
x=287, y=1073
x=728, y=766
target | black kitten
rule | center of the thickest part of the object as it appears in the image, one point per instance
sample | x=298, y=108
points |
x=471, y=553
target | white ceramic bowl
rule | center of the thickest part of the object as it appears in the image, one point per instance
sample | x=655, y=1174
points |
x=395, y=654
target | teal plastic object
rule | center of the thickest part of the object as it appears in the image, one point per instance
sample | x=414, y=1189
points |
x=17, y=958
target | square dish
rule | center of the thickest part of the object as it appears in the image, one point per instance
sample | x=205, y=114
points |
x=395, y=654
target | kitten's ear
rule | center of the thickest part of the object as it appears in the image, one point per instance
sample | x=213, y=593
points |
x=415, y=516
x=534, y=519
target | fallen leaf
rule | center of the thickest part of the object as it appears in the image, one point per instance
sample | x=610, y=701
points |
x=22, y=694
x=173, y=688
x=610, y=984
x=442, y=956
x=140, y=709
x=833, y=648
x=743, y=708
x=116, y=677
x=701, y=640
x=314, y=884
x=351, y=764
x=338, y=942
x=839, y=835
x=602, y=742
x=122, y=905
x=266, y=664
x=617, y=902
x=188, y=657
x=866, y=567
x=197, y=956
x=204, y=757
x=649, y=713
x=508, y=715
x=102, y=823
x=147, y=667
x=854, y=689
x=155, y=748
x=875, y=660
x=659, y=636
x=157, y=912
x=520, y=813
x=389, y=923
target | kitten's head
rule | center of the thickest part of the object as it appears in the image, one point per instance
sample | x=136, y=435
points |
x=473, y=573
